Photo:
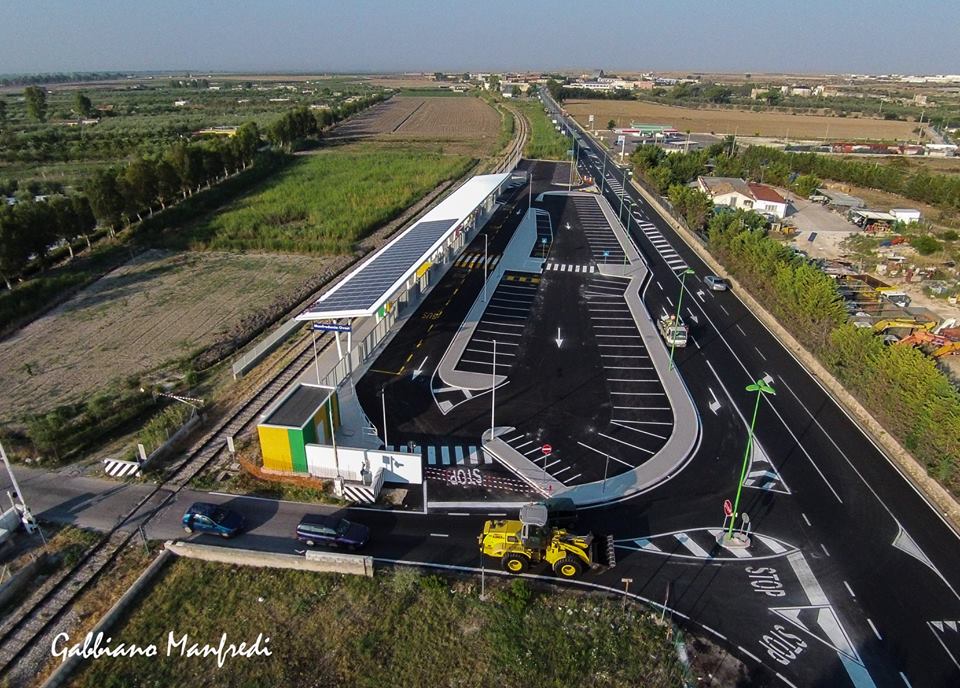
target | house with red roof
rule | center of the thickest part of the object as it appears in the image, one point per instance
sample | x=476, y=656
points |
x=737, y=193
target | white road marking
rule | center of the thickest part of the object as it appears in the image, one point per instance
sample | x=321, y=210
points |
x=439, y=535
x=807, y=520
x=849, y=589
x=760, y=352
x=740, y=329
x=692, y=546
x=874, y=629
x=659, y=285
x=807, y=580
x=603, y=453
x=457, y=513
x=824, y=548
x=795, y=439
x=903, y=676
x=723, y=309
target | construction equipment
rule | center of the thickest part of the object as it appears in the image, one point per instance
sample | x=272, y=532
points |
x=903, y=323
x=673, y=330
x=932, y=344
x=532, y=540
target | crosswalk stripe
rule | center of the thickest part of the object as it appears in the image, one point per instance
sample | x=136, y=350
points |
x=771, y=543
x=692, y=546
x=473, y=452
x=445, y=455
x=458, y=451
x=643, y=543
x=432, y=455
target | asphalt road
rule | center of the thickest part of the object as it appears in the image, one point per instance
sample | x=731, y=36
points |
x=888, y=564
x=851, y=579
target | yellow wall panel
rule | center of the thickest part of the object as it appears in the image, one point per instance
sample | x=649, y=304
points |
x=275, y=447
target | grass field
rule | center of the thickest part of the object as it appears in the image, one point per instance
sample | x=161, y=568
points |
x=398, y=629
x=743, y=122
x=326, y=201
x=154, y=309
x=545, y=143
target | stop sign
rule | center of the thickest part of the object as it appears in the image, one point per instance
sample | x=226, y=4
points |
x=727, y=507
x=546, y=449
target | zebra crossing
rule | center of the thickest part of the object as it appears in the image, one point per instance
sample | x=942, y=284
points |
x=455, y=455
x=564, y=267
x=119, y=468
x=476, y=260
x=701, y=543
x=663, y=247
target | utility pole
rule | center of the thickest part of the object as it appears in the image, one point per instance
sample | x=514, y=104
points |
x=683, y=279
x=760, y=387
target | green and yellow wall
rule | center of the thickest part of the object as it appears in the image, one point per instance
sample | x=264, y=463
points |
x=284, y=447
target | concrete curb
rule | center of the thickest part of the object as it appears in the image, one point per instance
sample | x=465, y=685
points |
x=319, y=561
x=909, y=467
x=521, y=243
x=62, y=672
x=671, y=458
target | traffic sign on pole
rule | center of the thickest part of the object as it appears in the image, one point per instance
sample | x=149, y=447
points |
x=727, y=507
x=546, y=449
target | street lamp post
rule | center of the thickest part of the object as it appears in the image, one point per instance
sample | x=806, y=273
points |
x=683, y=279
x=493, y=389
x=484, y=267
x=383, y=405
x=760, y=387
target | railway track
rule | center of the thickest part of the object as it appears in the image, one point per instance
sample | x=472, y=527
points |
x=59, y=591
x=47, y=603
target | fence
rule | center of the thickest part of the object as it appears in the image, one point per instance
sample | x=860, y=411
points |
x=265, y=347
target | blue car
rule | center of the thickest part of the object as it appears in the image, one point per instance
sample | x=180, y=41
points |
x=331, y=531
x=212, y=518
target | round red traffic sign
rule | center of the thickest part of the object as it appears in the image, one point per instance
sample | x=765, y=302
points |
x=727, y=507
x=546, y=449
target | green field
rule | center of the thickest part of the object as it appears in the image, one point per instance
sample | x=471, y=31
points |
x=325, y=202
x=545, y=143
x=397, y=629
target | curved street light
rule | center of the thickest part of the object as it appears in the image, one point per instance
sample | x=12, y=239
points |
x=761, y=387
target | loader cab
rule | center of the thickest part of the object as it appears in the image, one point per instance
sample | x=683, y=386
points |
x=534, y=518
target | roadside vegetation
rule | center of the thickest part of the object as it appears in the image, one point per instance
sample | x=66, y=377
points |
x=324, y=203
x=899, y=385
x=401, y=628
x=545, y=142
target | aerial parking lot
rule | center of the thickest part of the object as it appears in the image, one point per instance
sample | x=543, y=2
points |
x=552, y=334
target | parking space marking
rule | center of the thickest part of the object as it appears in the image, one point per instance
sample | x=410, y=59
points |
x=603, y=453
x=645, y=432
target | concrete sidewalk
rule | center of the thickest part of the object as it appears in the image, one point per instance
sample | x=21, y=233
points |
x=515, y=258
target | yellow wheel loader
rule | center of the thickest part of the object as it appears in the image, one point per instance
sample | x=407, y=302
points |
x=532, y=540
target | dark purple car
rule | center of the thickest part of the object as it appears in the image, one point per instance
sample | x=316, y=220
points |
x=331, y=531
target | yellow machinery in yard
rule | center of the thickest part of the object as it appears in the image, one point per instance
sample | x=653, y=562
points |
x=532, y=540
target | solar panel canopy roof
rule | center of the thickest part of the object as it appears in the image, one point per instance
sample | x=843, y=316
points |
x=367, y=287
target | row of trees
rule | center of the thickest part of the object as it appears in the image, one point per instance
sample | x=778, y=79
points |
x=117, y=195
x=903, y=388
x=59, y=78
x=29, y=229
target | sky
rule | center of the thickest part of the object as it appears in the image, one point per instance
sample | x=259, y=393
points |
x=815, y=36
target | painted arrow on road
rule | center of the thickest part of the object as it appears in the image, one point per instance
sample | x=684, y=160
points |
x=694, y=318
x=559, y=339
x=419, y=371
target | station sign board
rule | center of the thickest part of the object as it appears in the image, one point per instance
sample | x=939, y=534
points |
x=331, y=327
